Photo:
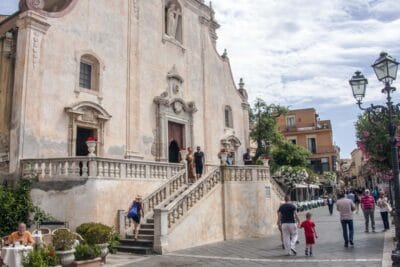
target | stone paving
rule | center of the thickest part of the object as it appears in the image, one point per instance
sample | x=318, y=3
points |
x=368, y=249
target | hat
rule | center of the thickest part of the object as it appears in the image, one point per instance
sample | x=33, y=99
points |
x=366, y=190
x=138, y=197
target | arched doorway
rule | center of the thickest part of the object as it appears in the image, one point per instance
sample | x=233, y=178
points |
x=173, y=152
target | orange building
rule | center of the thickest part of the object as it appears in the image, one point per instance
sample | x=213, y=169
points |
x=304, y=128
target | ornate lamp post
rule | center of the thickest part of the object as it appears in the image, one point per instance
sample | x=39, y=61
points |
x=385, y=68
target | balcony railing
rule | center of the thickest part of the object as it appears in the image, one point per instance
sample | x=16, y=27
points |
x=72, y=168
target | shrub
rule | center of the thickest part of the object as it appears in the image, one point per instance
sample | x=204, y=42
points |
x=95, y=233
x=41, y=257
x=63, y=240
x=86, y=252
x=113, y=242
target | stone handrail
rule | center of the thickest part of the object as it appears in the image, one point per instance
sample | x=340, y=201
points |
x=161, y=194
x=73, y=168
x=246, y=173
x=180, y=206
x=277, y=188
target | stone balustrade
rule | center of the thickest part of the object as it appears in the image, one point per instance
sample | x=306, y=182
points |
x=245, y=173
x=73, y=168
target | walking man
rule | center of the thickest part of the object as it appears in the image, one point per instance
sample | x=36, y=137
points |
x=346, y=207
x=287, y=217
x=368, y=208
x=199, y=162
x=330, y=201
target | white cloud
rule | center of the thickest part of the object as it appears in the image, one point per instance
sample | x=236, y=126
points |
x=303, y=52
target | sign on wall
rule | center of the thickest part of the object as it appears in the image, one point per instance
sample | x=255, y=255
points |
x=267, y=191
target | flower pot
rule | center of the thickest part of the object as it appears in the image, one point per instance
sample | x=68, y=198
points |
x=91, y=148
x=103, y=250
x=87, y=263
x=66, y=257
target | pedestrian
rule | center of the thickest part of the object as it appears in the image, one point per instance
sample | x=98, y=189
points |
x=375, y=194
x=346, y=207
x=136, y=212
x=247, y=158
x=287, y=216
x=357, y=201
x=330, y=202
x=351, y=196
x=190, y=165
x=310, y=234
x=230, y=160
x=199, y=162
x=384, y=209
x=368, y=208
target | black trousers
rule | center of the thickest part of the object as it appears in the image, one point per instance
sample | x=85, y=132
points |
x=385, y=219
x=330, y=207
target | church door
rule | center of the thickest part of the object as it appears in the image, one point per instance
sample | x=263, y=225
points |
x=82, y=134
x=176, y=140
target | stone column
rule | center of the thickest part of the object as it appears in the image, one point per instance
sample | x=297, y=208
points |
x=26, y=105
x=246, y=124
x=160, y=231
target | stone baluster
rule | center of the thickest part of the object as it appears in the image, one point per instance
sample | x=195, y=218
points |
x=118, y=170
x=85, y=169
x=100, y=169
x=129, y=170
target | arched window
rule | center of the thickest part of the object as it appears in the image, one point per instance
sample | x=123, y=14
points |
x=89, y=72
x=228, y=117
x=173, y=20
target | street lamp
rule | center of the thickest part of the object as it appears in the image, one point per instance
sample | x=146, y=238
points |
x=385, y=68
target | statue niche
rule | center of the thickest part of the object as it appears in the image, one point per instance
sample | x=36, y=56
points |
x=173, y=20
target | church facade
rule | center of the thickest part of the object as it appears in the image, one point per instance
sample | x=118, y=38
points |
x=142, y=77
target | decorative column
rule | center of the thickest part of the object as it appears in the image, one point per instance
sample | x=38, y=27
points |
x=246, y=110
x=32, y=28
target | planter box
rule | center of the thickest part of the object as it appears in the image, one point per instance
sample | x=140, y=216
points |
x=89, y=263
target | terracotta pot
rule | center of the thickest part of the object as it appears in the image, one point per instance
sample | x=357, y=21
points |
x=88, y=263
x=66, y=257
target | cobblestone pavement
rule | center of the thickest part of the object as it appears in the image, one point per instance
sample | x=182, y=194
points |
x=368, y=249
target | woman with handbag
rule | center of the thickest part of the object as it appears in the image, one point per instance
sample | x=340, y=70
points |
x=136, y=212
x=384, y=208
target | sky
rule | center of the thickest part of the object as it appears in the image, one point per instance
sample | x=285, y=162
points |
x=301, y=53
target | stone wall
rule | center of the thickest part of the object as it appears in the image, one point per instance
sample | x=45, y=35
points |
x=232, y=210
x=90, y=200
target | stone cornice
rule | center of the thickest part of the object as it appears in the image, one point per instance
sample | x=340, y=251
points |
x=31, y=19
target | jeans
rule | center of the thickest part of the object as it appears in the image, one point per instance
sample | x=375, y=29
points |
x=289, y=233
x=385, y=219
x=369, y=214
x=347, y=235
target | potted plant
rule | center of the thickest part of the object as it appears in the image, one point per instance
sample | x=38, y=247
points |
x=63, y=242
x=96, y=234
x=41, y=257
x=87, y=256
x=91, y=144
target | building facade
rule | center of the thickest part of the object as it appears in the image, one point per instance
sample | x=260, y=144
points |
x=304, y=128
x=143, y=78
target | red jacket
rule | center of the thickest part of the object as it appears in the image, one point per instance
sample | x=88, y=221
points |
x=368, y=202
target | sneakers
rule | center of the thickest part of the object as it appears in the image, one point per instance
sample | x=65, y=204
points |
x=306, y=252
x=351, y=242
x=294, y=251
x=311, y=254
x=346, y=245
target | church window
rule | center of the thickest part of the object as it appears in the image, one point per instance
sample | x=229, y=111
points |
x=228, y=117
x=89, y=71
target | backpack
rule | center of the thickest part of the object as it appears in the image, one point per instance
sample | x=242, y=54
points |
x=133, y=212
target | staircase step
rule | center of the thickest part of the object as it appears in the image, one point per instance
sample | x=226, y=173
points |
x=146, y=231
x=142, y=237
x=147, y=226
x=136, y=243
x=150, y=220
x=135, y=249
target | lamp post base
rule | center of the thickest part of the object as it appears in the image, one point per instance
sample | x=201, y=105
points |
x=396, y=257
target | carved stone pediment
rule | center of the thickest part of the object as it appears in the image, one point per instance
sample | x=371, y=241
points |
x=176, y=104
x=230, y=142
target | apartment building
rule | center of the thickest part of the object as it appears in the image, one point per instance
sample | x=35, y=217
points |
x=304, y=128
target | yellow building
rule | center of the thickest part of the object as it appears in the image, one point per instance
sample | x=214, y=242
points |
x=304, y=128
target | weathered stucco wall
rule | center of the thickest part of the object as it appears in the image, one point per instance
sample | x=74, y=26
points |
x=202, y=225
x=233, y=210
x=97, y=200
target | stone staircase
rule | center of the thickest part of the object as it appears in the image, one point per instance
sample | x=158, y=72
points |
x=162, y=197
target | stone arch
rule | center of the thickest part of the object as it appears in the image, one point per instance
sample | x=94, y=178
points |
x=88, y=115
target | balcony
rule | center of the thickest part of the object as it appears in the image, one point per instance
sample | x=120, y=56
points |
x=323, y=150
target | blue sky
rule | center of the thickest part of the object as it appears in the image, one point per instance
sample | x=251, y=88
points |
x=301, y=53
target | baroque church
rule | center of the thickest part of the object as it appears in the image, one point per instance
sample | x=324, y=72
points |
x=142, y=77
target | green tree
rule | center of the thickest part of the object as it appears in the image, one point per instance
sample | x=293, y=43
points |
x=288, y=154
x=373, y=139
x=264, y=129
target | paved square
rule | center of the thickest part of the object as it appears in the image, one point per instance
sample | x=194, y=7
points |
x=329, y=251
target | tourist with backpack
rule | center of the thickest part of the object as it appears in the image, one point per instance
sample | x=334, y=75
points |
x=136, y=212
